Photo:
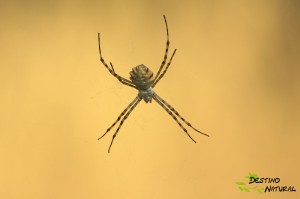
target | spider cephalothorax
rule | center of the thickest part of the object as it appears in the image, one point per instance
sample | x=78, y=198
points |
x=142, y=79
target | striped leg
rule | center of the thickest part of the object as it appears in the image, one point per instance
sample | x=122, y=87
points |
x=164, y=72
x=123, y=82
x=170, y=113
x=120, y=116
x=166, y=53
x=112, y=71
x=174, y=111
x=124, y=118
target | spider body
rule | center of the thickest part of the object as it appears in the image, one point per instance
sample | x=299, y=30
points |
x=147, y=95
x=142, y=79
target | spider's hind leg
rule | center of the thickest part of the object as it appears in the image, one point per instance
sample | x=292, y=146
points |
x=112, y=70
x=158, y=76
x=165, y=70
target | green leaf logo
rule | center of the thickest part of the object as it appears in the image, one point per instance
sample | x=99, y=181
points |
x=243, y=186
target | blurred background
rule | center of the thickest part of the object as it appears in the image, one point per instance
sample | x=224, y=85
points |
x=235, y=76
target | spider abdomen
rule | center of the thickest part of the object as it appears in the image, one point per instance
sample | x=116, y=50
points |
x=142, y=77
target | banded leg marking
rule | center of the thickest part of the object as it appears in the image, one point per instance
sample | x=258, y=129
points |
x=119, y=117
x=112, y=71
x=174, y=117
x=166, y=52
x=122, y=121
x=174, y=111
x=164, y=72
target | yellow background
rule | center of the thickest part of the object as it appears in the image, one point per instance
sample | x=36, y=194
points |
x=235, y=76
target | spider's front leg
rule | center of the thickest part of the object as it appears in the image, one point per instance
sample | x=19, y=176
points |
x=127, y=110
x=112, y=70
x=171, y=110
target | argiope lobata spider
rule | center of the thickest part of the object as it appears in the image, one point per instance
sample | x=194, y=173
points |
x=142, y=79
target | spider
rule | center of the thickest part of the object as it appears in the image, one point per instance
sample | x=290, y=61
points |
x=142, y=79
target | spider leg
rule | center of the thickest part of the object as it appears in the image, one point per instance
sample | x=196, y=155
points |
x=137, y=100
x=119, y=117
x=166, y=52
x=164, y=72
x=174, y=117
x=123, y=82
x=112, y=67
x=112, y=71
x=174, y=111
